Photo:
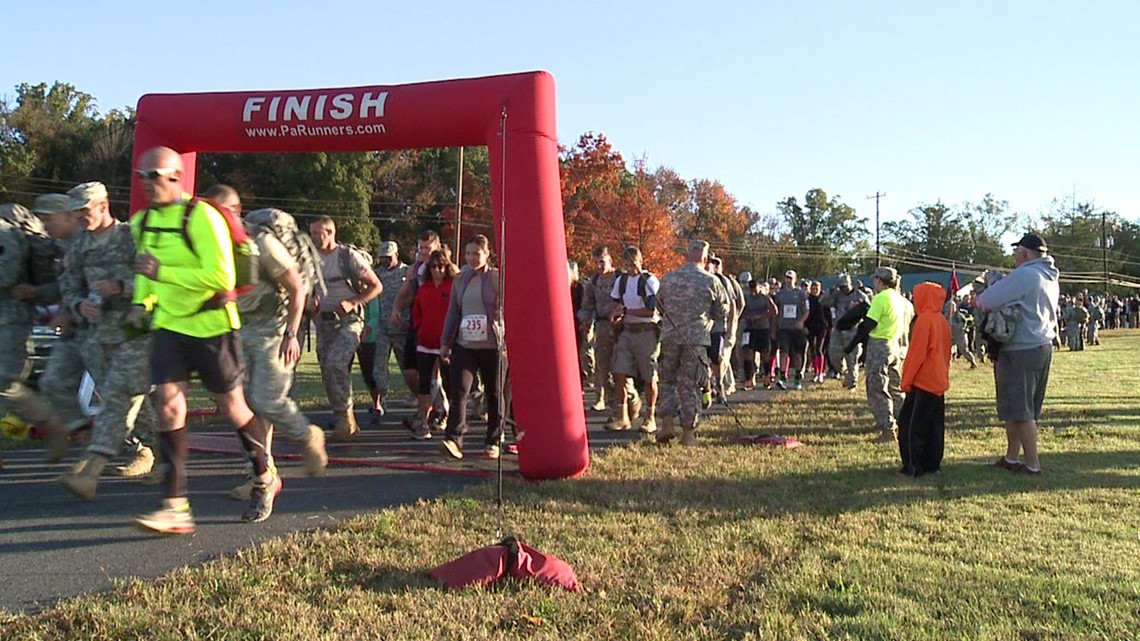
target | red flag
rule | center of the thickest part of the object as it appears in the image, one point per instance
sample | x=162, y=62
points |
x=954, y=286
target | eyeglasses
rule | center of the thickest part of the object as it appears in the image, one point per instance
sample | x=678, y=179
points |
x=152, y=175
x=439, y=265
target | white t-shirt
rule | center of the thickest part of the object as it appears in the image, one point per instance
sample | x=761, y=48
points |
x=630, y=299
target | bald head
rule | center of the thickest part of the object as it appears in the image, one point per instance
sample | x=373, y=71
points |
x=160, y=158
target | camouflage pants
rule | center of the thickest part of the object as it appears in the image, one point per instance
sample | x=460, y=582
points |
x=586, y=351
x=682, y=372
x=13, y=357
x=122, y=377
x=847, y=364
x=963, y=347
x=13, y=366
x=604, y=360
x=59, y=387
x=884, y=377
x=385, y=345
x=337, y=341
x=267, y=379
x=1093, y=333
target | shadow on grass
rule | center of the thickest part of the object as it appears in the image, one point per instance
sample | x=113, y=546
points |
x=382, y=578
x=850, y=489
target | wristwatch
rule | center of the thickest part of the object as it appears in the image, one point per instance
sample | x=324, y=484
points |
x=290, y=334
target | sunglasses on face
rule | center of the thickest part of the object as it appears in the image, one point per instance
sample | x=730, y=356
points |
x=152, y=175
x=439, y=265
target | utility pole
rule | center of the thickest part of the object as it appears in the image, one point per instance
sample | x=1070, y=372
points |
x=1104, y=248
x=878, y=251
x=459, y=206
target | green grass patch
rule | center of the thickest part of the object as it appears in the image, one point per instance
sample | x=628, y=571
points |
x=725, y=541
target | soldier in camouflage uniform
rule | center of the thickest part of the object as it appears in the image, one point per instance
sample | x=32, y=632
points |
x=960, y=320
x=271, y=315
x=16, y=315
x=55, y=409
x=392, y=273
x=597, y=306
x=884, y=326
x=842, y=299
x=340, y=319
x=691, y=302
x=97, y=284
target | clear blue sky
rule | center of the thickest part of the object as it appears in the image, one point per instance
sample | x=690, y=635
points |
x=1029, y=100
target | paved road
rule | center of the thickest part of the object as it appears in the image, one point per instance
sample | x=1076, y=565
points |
x=55, y=546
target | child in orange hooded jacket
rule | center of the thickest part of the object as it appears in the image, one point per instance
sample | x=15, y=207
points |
x=925, y=379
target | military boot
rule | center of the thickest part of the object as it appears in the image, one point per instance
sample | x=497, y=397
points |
x=689, y=437
x=83, y=479
x=346, y=427
x=140, y=465
x=888, y=435
x=313, y=452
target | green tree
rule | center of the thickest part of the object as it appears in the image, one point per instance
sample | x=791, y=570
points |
x=44, y=135
x=826, y=233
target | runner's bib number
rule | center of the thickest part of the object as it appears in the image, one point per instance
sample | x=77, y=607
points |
x=790, y=311
x=473, y=328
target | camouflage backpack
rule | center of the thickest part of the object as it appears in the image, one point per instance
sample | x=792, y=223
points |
x=42, y=253
x=346, y=269
x=300, y=247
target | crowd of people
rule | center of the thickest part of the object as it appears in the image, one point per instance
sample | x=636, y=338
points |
x=654, y=347
x=194, y=286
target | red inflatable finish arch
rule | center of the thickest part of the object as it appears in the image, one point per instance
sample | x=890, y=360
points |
x=525, y=188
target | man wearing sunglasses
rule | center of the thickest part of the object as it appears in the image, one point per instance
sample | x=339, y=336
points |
x=194, y=325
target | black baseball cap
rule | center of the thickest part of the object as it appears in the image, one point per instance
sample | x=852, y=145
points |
x=1032, y=241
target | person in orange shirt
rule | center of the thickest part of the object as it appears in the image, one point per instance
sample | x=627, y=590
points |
x=925, y=379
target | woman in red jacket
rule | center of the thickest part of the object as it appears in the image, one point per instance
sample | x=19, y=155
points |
x=925, y=379
x=429, y=309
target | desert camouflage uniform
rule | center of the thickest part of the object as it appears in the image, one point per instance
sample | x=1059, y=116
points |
x=267, y=380
x=597, y=306
x=692, y=302
x=390, y=339
x=847, y=364
x=15, y=316
x=732, y=326
x=119, y=367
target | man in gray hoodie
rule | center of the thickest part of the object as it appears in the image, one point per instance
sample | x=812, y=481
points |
x=1021, y=370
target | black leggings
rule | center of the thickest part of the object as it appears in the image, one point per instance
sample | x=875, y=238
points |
x=425, y=364
x=464, y=363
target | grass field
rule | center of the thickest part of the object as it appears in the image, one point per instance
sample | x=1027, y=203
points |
x=725, y=541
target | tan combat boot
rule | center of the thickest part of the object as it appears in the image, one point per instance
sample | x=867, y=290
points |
x=140, y=465
x=346, y=427
x=886, y=436
x=313, y=452
x=83, y=479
